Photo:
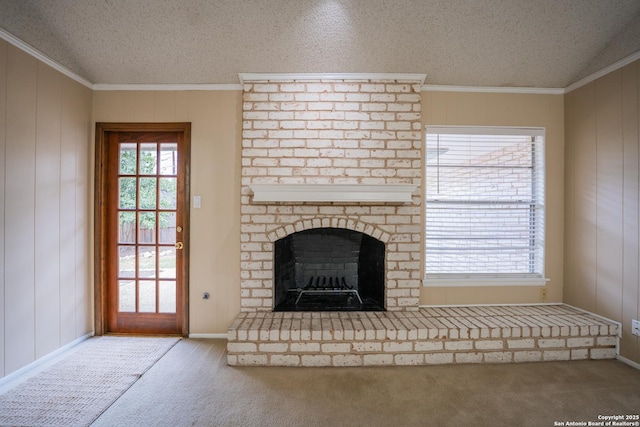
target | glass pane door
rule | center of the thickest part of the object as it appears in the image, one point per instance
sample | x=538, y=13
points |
x=142, y=228
x=147, y=229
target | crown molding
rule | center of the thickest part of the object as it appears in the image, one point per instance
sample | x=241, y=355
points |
x=496, y=89
x=263, y=77
x=13, y=40
x=158, y=87
x=606, y=70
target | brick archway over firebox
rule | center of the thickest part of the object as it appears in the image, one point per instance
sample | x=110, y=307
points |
x=334, y=222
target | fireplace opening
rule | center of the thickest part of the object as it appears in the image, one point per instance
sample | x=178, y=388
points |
x=329, y=269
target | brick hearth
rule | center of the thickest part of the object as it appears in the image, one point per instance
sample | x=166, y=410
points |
x=430, y=335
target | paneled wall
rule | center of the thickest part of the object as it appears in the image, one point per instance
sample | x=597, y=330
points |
x=216, y=127
x=602, y=222
x=45, y=287
x=504, y=109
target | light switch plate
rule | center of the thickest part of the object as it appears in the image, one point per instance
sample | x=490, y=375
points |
x=196, y=202
x=635, y=327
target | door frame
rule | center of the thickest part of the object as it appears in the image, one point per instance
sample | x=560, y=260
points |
x=100, y=215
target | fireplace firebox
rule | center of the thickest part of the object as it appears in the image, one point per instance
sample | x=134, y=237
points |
x=329, y=269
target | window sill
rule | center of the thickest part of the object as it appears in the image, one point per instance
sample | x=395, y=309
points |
x=483, y=281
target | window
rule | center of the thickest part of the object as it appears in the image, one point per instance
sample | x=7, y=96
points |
x=484, y=205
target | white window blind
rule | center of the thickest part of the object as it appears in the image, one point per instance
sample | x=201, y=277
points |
x=484, y=203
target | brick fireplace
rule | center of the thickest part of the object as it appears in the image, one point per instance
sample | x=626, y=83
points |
x=341, y=132
x=340, y=155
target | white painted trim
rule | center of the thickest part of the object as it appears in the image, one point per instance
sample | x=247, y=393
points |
x=489, y=89
x=160, y=87
x=606, y=70
x=10, y=38
x=606, y=319
x=384, y=193
x=263, y=77
x=486, y=130
x=599, y=317
x=628, y=362
x=16, y=375
x=209, y=336
x=484, y=281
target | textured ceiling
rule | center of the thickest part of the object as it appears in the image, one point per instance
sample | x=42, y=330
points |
x=523, y=43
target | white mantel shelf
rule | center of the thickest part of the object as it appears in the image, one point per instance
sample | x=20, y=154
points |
x=361, y=193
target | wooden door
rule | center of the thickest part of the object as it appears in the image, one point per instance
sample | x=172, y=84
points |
x=143, y=228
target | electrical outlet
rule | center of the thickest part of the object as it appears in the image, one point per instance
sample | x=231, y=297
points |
x=635, y=327
x=543, y=294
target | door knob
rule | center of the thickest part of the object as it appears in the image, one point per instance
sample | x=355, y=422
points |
x=179, y=245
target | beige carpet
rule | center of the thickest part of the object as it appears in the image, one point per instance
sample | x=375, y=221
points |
x=193, y=386
x=76, y=390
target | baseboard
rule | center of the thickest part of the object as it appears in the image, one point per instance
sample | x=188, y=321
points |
x=209, y=336
x=42, y=361
x=628, y=362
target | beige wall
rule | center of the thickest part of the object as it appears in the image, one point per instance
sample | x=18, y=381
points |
x=45, y=291
x=495, y=109
x=602, y=184
x=216, y=128
x=216, y=140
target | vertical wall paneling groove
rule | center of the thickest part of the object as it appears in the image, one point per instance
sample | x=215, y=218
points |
x=82, y=115
x=44, y=142
x=636, y=340
x=3, y=129
x=569, y=202
x=68, y=219
x=585, y=199
x=631, y=207
x=602, y=272
x=609, y=233
x=19, y=209
x=47, y=238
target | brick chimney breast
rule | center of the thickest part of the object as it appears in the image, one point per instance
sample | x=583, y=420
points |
x=332, y=132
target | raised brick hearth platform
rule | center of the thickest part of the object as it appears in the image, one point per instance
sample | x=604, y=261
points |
x=430, y=335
